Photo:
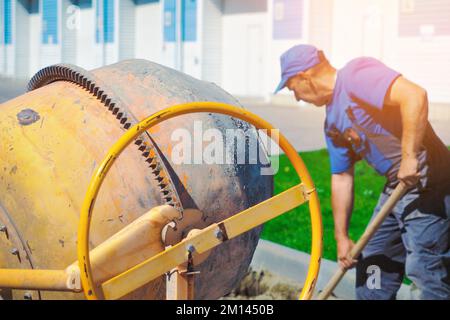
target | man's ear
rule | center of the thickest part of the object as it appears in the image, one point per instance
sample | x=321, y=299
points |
x=302, y=75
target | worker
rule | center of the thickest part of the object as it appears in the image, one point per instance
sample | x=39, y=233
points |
x=376, y=114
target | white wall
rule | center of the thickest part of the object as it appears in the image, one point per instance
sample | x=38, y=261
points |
x=277, y=47
x=211, y=35
x=127, y=29
x=244, y=50
x=424, y=61
x=69, y=33
x=358, y=29
x=320, y=24
x=22, y=41
x=251, y=65
x=86, y=38
x=370, y=28
x=149, y=32
x=35, y=25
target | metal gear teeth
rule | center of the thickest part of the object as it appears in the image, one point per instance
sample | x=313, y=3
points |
x=152, y=163
x=157, y=169
x=81, y=78
x=162, y=185
x=99, y=94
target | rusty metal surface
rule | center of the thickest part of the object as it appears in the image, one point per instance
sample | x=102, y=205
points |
x=55, y=156
x=46, y=168
x=15, y=253
x=112, y=101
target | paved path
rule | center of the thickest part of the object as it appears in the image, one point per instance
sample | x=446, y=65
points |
x=293, y=265
x=301, y=125
x=11, y=88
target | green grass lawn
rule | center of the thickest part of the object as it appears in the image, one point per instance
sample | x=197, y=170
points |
x=293, y=229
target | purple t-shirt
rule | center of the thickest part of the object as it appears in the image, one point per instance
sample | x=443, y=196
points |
x=359, y=126
x=361, y=87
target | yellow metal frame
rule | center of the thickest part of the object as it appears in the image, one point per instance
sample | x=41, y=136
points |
x=203, y=241
x=87, y=281
x=52, y=280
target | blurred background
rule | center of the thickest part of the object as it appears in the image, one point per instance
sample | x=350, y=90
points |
x=233, y=43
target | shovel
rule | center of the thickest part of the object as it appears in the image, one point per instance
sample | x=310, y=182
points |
x=398, y=192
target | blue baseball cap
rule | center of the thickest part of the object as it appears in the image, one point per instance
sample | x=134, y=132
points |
x=297, y=59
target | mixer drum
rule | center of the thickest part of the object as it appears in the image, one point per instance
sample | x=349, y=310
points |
x=53, y=138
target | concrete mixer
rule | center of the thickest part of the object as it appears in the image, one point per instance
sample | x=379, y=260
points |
x=93, y=206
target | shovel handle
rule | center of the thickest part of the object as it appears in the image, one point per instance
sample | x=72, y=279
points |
x=385, y=210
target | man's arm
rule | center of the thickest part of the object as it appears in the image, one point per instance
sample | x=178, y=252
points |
x=413, y=103
x=342, y=188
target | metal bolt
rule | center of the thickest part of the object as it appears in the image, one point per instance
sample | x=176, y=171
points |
x=28, y=296
x=16, y=252
x=219, y=234
x=190, y=248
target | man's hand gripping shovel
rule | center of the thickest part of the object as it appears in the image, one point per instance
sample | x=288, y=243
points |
x=398, y=192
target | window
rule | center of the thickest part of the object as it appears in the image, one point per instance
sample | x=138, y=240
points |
x=189, y=16
x=7, y=26
x=137, y=2
x=188, y=20
x=105, y=21
x=169, y=20
x=50, y=21
x=424, y=18
x=288, y=19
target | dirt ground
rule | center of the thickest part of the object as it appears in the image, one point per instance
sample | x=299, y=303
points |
x=264, y=285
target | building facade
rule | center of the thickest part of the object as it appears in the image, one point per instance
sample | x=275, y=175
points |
x=233, y=43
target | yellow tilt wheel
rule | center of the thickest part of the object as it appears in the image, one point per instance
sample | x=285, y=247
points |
x=155, y=266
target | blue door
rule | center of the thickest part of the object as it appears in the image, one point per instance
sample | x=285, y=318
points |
x=105, y=21
x=170, y=30
x=7, y=22
x=50, y=22
x=188, y=20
